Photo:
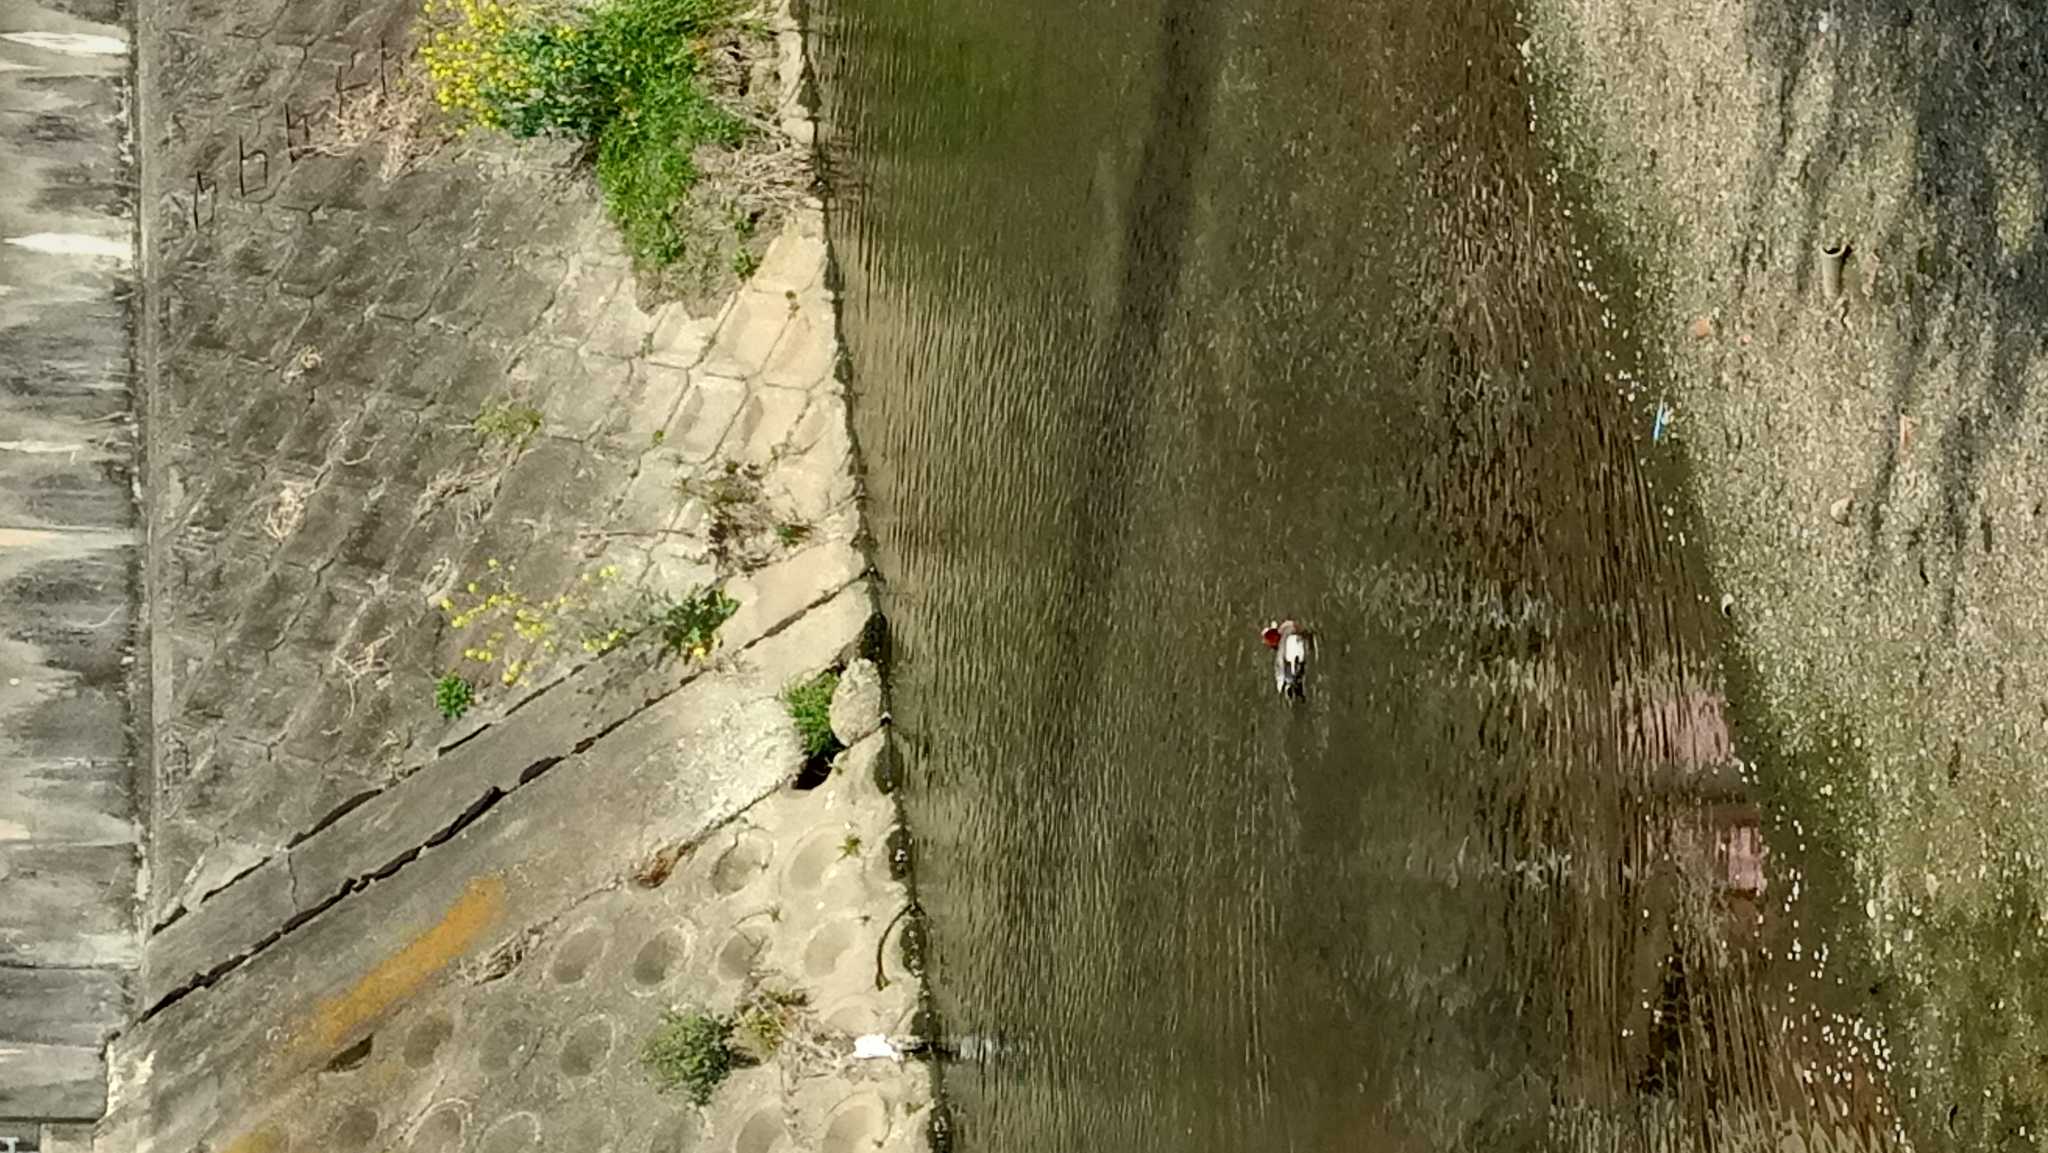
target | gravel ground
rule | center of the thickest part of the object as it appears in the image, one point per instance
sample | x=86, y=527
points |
x=1869, y=468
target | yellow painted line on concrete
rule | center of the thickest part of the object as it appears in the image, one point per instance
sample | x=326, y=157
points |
x=405, y=972
x=268, y=1139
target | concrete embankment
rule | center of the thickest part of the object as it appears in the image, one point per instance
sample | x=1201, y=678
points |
x=69, y=561
x=406, y=417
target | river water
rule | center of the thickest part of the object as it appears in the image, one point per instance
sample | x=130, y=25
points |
x=1170, y=317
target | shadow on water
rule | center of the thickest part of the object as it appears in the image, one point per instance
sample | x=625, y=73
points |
x=1160, y=199
x=1168, y=318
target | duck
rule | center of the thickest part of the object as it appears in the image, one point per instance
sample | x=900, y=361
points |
x=1290, y=645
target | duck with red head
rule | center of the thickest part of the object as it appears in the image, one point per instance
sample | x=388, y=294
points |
x=1290, y=645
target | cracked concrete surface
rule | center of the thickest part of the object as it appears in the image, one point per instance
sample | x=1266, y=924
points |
x=368, y=926
x=540, y=916
x=380, y=836
x=324, y=340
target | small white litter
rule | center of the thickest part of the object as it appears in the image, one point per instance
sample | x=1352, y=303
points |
x=875, y=1045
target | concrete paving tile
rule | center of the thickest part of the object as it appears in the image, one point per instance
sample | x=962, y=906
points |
x=748, y=333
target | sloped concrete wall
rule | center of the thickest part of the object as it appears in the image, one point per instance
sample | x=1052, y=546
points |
x=370, y=926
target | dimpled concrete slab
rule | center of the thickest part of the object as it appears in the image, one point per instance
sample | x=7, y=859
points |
x=548, y=1053
x=498, y=990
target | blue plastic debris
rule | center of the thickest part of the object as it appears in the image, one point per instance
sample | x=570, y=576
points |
x=1662, y=422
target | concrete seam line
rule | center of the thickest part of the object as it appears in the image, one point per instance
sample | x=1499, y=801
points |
x=342, y=811
x=474, y=811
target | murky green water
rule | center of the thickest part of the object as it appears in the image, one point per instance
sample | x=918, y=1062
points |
x=1170, y=317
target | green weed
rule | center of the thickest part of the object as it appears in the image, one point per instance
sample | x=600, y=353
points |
x=744, y=262
x=763, y=1022
x=689, y=626
x=810, y=706
x=507, y=424
x=690, y=1051
x=453, y=696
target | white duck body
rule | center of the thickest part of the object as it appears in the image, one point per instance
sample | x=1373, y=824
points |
x=1290, y=664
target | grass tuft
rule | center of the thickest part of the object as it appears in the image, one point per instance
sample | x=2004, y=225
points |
x=506, y=424
x=645, y=168
x=764, y=1021
x=810, y=706
x=690, y=1051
